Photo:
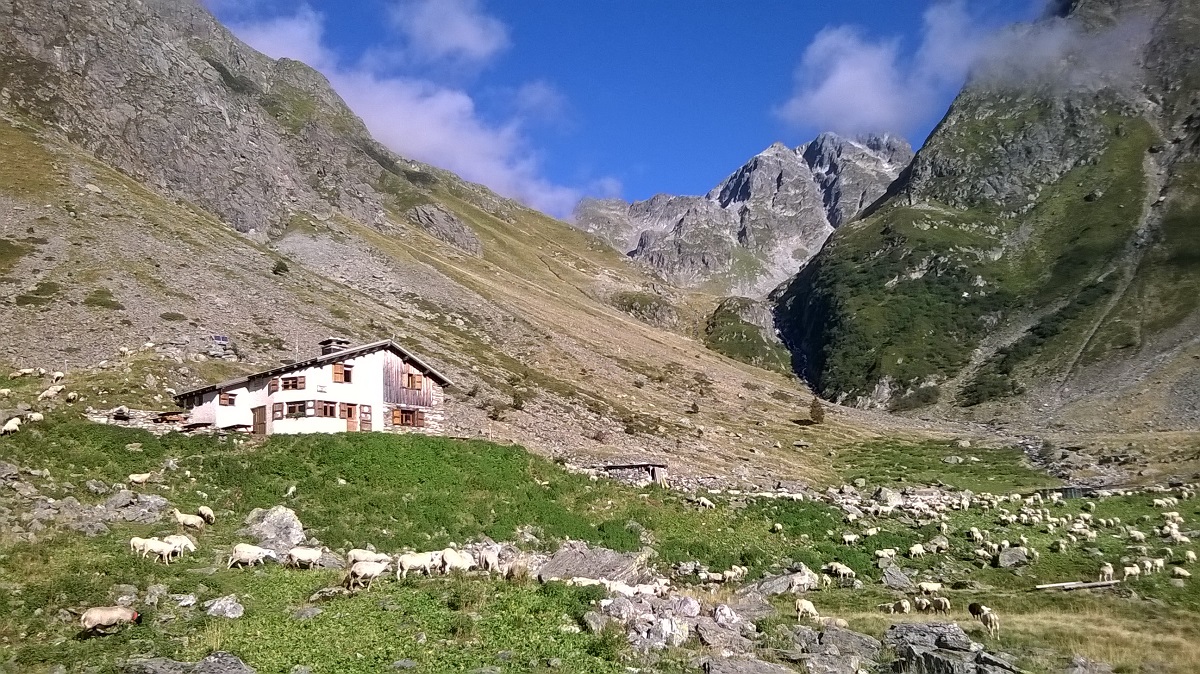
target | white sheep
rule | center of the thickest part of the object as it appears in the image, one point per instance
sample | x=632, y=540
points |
x=23, y=372
x=1180, y=572
x=1189, y=556
x=489, y=559
x=455, y=560
x=917, y=550
x=425, y=562
x=35, y=416
x=849, y=539
x=367, y=572
x=300, y=556
x=1106, y=572
x=805, y=609
x=207, y=513
x=886, y=553
x=190, y=521
x=734, y=573
x=162, y=550
x=245, y=554
x=1160, y=564
x=138, y=545
x=11, y=426
x=57, y=376
x=991, y=622
x=886, y=607
x=5, y=392
x=903, y=606
x=99, y=618
x=51, y=392
x=362, y=555
x=929, y=588
x=140, y=479
x=921, y=604
x=180, y=544
x=705, y=503
x=941, y=605
x=1132, y=571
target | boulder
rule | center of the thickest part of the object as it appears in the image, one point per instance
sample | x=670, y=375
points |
x=225, y=607
x=744, y=666
x=1081, y=665
x=801, y=580
x=8, y=471
x=725, y=616
x=96, y=487
x=277, y=529
x=444, y=225
x=723, y=639
x=831, y=663
x=930, y=635
x=849, y=642
x=1012, y=557
x=576, y=559
x=952, y=459
x=895, y=579
x=216, y=663
x=120, y=499
x=685, y=607
x=328, y=593
x=887, y=497
x=595, y=622
x=307, y=612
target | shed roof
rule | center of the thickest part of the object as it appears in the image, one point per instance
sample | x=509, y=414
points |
x=324, y=359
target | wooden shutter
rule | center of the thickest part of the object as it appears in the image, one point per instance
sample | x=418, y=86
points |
x=341, y=410
x=339, y=374
x=395, y=416
x=419, y=419
x=416, y=380
x=364, y=418
x=277, y=411
x=310, y=408
x=300, y=382
x=273, y=386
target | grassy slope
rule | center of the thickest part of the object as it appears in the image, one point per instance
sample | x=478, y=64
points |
x=426, y=492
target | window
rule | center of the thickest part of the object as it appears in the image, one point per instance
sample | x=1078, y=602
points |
x=408, y=417
x=277, y=411
x=346, y=372
x=272, y=386
x=342, y=372
x=227, y=399
x=293, y=383
x=327, y=409
x=295, y=409
x=415, y=380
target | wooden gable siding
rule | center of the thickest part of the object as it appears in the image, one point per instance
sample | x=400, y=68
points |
x=395, y=384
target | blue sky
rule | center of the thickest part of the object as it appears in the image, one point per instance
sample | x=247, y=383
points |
x=550, y=101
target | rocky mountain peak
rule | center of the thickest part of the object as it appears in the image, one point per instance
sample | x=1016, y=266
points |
x=759, y=225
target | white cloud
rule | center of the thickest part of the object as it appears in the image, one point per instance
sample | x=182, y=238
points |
x=450, y=29
x=540, y=100
x=850, y=83
x=419, y=118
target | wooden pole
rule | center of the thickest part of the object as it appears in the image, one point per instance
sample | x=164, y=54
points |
x=1076, y=585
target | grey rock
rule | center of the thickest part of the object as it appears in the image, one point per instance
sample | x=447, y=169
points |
x=1081, y=665
x=301, y=669
x=154, y=593
x=490, y=669
x=722, y=638
x=404, y=664
x=441, y=224
x=554, y=663
x=888, y=497
x=216, y=663
x=124, y=595
x=947, y=636
x=685, y=607
x=895, y=579
x=801, y=580
x=224, y=607
x=744, y=666
x=8, y=471
x=576, y=559
x=184, y=600
x=307, y=613
x=277, y=529
x=725, y=616
x=89, y=529
x=96, y=487
x=24, y=489
x=1011, y=557
x=751, y=606
x=952, y=459
x=831, y=663
x=852, y=643
x=120, y=499
x=594, y=622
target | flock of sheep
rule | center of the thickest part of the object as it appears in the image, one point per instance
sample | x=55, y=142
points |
x=13, y=424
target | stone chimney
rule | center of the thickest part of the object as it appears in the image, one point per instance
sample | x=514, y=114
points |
x=333, y=345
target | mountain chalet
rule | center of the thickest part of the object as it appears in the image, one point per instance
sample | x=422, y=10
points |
x=374, y=387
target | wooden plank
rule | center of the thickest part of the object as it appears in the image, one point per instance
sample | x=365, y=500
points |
x=1076, y=585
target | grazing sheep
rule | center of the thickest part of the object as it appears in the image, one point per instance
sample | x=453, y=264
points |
x=179, y=544
x=189, y=521
x=1135, y=535
x=455, y=560
x=207, y=513
x=826, y=580
x=941, y=605
x=1180, y=572
x=921, y=604
x=1160, y=564
x=902, y=606
x=992, y=623
x=360, y=555
x=245, y=554
x=51, y=392
x=303, y=557
x=840, y=570
x=489, y=559
x=1189, y=556
x=367, y=572
x=886, y=553
x=873, y=531
x=138, y=545
x=23, y=372
x=1147, y=566
x=886, y=607
x=5, y=392
x=849, y=539
x=705, y=503
x=734, y=573
x=163, y=550
x=35, y=416
x=1131, y=572
x=830, y=621
x=11, y=426
x=140, y=479
x=977, y=610
x=56, y=377
x=917, y=550
x=805, y=609
x=1106, y=572
x=929, y=588
x=426, y=562
x=97, y=619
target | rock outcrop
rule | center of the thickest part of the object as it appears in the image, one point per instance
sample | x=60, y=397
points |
x=762, y=222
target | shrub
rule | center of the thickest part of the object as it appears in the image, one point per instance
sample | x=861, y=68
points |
x=816, y=411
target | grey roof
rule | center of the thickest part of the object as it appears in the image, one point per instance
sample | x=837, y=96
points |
x=325, y=359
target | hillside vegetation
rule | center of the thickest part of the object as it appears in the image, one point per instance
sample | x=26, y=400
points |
x=403, y=491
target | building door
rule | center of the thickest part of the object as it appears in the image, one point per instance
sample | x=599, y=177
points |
x=260, y=420
x=351, y=417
